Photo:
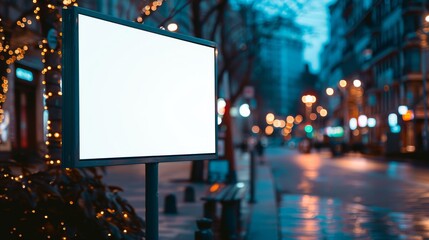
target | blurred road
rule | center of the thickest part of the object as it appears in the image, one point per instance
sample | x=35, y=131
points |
x=350, y=197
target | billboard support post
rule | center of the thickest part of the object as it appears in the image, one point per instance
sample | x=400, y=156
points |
x=151, y=198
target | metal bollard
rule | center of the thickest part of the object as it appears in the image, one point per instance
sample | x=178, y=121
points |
x=170, y=206
x=209, y=208
x=204, y=231
x=189, y=194
x=229, y=221
x=252, y=176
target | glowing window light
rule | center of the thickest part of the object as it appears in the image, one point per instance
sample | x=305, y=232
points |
x=372, y=122
x=353, y=123
x=402, y=109
x=362, y=121
x=392, y=119
x=395, y=129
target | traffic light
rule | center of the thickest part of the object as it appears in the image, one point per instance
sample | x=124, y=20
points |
x=308, y=128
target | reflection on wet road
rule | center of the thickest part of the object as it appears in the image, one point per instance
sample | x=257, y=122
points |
x=350, y=197
x=312, y=217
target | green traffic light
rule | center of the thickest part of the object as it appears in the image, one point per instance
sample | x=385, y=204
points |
x=308, y=128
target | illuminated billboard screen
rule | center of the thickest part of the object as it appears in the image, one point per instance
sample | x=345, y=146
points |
x=134, y=94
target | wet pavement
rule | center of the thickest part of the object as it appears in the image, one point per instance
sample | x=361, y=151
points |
x=350, y=197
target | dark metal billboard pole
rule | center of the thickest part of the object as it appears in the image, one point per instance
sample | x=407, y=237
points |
x=151, y=201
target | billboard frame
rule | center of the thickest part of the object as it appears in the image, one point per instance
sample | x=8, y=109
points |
x=70, y=110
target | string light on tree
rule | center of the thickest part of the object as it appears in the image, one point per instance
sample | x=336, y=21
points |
x=149, y=9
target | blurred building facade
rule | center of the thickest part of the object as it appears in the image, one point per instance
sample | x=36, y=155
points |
x=281, y=54
x=379, y=43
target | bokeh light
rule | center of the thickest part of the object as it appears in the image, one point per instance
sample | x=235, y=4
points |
x=330, y=91
x=255, y=129
x=270, y=118
x=298, y=119
x=269, y=130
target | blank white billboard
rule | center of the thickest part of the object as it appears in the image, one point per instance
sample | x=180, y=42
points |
x=140, y=94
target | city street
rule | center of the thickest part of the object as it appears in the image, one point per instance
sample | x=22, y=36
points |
x=349, y=197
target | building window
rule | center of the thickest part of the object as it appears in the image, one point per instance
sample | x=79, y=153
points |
x=412, y=60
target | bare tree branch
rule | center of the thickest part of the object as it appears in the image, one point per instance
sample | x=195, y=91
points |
x=174, y=12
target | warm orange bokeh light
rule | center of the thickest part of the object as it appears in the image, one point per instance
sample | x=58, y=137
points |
x=298, y=119
x=269, y=130
x=310, y=99
x=215, y=187
x=270, y=118
x=255, y=129
x=408, y=116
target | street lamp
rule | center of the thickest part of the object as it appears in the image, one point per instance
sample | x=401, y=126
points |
x=244, y=110
x=330, y=91
x=172, y=27
x=308, y=99
x=357, y=83
x=424, y=76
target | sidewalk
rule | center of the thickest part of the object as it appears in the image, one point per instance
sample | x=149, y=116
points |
x=261, y=218
x=264, y=217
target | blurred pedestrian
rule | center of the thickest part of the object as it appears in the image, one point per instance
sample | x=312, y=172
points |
x=260, y=149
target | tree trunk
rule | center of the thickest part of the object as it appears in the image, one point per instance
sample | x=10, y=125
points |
x=52, y=73
x=3, y=81
x=229, y=143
